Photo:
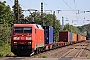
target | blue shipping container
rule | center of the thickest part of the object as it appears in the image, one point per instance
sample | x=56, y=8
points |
x=70, y=36
x=48, y=34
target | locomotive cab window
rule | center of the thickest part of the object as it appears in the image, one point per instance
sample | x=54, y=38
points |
x=27, y=30
x=18, y=30
x=22, y=30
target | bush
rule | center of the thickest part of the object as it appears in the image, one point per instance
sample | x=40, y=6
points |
x=4, y=50
x=1, y=55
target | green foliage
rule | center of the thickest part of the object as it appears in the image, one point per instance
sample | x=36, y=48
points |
x=43, y=56
x=18, y=16
x=36, y=18
x=85, y=30
x=7, y=18
x=82, y=30
x=71, y=28
x=5, y=14
x=4, y=49
x=5, y=30
x=6, y=21
x=88, y=57
x=57, y=29
x=48, y=20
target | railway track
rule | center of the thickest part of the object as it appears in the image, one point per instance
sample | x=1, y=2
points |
x=76, y=52
x=64, y=51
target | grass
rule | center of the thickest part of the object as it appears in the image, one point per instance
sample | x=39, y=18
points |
x=43, y=56
x=88, y=57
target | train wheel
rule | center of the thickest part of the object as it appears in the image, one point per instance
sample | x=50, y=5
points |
x=36, y=52
x=44, y=49
x=39, y=50
x=52, y=47
x=58, y=46
x=49, y=48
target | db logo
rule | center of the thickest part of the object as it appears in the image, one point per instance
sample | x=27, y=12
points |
x=22, y=38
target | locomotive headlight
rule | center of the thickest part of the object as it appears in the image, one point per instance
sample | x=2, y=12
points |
x=29, y=43
x=15, y=43
x=28, y=38
x=16, y=38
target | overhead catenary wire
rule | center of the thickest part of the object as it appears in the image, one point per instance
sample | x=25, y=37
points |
x=71, y=8
x=32, y=9
x=75, y=9
x=45, y=10
x=74, y=4
x=68, y=5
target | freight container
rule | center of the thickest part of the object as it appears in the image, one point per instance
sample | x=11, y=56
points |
x=70, y=36
x=83, y=38
x=74, y=37
x=78, y=37
x=48, y=34
x=64, y=36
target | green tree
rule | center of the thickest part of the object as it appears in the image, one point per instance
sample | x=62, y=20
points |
x=5, y=14
x=7, y=18
x=57, y=29
x=20, y=15
x=70, y=28
x=84, y=30
x=6, y=21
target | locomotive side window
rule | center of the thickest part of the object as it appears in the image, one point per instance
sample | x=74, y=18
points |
x=18, y=30
x=35, y=30
x=27, y=30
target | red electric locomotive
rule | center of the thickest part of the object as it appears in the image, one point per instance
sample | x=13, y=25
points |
x=26, y=38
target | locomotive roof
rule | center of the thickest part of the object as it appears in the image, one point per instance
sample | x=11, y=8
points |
x=28, y=25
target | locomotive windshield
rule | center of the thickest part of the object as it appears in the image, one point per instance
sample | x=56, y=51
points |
x=18, y=30
x=27, y=30
x=22, y=30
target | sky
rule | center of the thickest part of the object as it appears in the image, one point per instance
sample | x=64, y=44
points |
x=68, y=9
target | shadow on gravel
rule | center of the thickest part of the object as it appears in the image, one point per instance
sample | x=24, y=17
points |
x=15, y=58
x=19, y=56
x=65, y=59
